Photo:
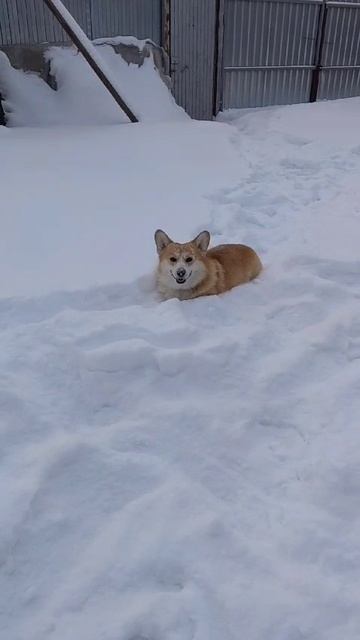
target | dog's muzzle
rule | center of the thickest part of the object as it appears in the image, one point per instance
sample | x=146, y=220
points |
x=180, y=276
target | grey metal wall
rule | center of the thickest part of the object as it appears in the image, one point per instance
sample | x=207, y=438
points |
x=193, y=49
x=141, y=18
x=30, y=21
x=272, y=47
x=340, y=74
x=269, y=49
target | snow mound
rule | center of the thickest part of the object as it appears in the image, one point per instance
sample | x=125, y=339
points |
x=80, y=97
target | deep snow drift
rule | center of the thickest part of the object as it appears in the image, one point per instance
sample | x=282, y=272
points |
x=181, y=471
x=80, y=97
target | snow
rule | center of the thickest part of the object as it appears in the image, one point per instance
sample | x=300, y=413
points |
x=131, y=41
x=88, y=46
x=80, y=97
x=181, y=470
x=88, y=194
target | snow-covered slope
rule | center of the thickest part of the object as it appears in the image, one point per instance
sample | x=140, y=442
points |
x=181, y=471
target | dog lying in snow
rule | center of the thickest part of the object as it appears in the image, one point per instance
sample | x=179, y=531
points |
x=190, y=270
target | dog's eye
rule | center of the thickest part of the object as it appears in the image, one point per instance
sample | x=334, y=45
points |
x=188, y=260
x=172, y=259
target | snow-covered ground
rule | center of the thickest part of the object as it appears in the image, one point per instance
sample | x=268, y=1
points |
x=181, y=471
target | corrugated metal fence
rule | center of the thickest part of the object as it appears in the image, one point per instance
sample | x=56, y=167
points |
x=287, y=51
x=30, y=21
x=193, y=35
x=224, y=53
x=340, y=59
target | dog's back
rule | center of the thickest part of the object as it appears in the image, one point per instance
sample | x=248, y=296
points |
x=239, y=263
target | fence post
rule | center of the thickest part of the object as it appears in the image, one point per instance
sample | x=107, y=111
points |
x=318, y=52
x=2, y=114
x=166, y=26
x=218, y=56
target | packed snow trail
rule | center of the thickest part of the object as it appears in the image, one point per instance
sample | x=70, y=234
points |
x=190, y=470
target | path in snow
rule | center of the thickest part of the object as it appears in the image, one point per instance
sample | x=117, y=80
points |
x=190, y=471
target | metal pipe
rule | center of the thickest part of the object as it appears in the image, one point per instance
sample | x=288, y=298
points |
x=79, y=43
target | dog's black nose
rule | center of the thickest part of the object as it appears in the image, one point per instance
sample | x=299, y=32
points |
x=180, y=273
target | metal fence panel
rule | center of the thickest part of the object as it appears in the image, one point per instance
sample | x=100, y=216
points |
x=269, y=49
x=193, y=27
x=31, y=22
x=266, y=87
x=340, y=74
x=5, y=33
x=342, y=36
x=259, y=33
x=140, y=18
x=339, y=83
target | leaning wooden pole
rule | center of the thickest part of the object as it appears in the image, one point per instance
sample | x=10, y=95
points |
x=85, y=46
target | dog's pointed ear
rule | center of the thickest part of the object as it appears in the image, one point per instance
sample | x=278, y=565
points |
x=161, y=240
x=202, y=241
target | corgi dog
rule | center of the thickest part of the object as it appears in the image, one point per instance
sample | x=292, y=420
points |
x=190, y=270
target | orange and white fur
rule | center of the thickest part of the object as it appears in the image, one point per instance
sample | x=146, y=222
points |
x=190, y=270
